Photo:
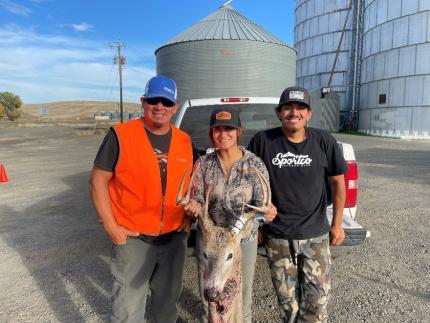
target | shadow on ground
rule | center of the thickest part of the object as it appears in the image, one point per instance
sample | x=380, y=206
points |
x=65, y=251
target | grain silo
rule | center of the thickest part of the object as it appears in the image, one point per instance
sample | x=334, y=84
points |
x=226, y=54
x=325, y=32
x=395, y=78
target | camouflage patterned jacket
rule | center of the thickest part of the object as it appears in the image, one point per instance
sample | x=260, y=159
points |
x=225, y=200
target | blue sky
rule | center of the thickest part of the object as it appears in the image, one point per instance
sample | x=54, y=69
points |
x=57, y=50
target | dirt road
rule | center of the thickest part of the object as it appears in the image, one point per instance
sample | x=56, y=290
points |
x=55, y=256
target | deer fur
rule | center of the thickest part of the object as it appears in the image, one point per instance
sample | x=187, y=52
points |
x=222, y=274
x=222, y=257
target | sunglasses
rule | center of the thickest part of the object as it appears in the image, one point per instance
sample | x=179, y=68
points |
x=154, y=101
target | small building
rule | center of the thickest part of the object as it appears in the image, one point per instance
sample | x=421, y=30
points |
x=102, y=115
x=325, y=105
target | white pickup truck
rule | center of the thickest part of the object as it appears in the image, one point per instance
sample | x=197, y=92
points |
x=257, y=113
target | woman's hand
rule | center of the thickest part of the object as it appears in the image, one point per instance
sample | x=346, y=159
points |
x=270, y=214
x=192, y=209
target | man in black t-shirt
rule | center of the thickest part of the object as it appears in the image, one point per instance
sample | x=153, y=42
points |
x=300, y=160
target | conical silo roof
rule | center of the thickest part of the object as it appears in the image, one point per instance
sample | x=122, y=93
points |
x=225, y=24
x=226, y=54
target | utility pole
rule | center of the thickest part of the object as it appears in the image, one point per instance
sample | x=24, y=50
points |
x=120, y=60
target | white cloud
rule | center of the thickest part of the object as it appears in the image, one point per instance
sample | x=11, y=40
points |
x=83, y=26
x=16, y=36
x=46, y=68
x=15, y=8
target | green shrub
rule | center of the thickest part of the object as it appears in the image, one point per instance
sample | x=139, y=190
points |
x=10, y=105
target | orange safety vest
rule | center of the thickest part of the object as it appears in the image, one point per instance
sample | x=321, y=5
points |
x=135, y=187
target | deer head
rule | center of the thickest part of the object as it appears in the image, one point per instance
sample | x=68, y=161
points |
x=221, y=251
x=222, y=254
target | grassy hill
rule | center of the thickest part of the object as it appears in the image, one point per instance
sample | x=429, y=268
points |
x=72, y=110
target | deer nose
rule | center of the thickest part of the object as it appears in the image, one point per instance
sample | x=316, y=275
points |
x=211, y=294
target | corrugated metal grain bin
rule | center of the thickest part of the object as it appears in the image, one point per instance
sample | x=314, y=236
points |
x=395, y=77
x=317, y=34
x=225, y=54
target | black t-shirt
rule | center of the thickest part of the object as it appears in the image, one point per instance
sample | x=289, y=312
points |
x=107, y=156
x=108, y=153
x=298, y=176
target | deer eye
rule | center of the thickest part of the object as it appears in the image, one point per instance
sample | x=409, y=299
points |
x=205, y=255
x=229, y=256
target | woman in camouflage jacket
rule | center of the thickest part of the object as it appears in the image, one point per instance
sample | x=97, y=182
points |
x=230, y=172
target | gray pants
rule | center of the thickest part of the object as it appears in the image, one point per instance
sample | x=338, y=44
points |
x=138, y=267
x=249, y=258
x=300, y=271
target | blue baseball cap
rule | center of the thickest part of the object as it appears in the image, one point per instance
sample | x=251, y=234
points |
x=161, y=87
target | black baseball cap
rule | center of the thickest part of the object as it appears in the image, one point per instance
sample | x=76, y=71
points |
x=294, y=94
x=225, y=117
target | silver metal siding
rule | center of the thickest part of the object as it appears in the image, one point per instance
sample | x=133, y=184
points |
x=325, y=111
x=317, y=31
x=396, y=62
x=218, y=68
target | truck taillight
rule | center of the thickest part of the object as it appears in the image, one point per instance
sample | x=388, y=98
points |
x=234, y=99
x=351, y=184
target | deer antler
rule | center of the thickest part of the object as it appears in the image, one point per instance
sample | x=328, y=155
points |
x=267, y=194
x=180, y=199
x=206, y=221
x=246, y=216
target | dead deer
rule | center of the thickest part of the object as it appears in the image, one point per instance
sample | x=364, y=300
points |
x=222, y=278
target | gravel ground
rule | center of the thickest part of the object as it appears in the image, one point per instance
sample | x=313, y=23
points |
x=55, y=256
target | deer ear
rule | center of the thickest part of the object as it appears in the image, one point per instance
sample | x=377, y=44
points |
x=205, y=220
x=247, y=228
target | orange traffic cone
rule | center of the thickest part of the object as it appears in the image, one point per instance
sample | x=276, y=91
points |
x=3, y=175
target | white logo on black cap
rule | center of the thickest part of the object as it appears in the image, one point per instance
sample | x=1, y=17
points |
x=298, y=95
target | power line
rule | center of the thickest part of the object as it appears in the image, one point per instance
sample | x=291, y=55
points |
x=110, y=98
x=110, y=84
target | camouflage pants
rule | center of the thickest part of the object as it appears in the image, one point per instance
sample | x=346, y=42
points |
x=300, y=271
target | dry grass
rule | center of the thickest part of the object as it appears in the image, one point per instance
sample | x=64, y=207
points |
x=72, y=110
